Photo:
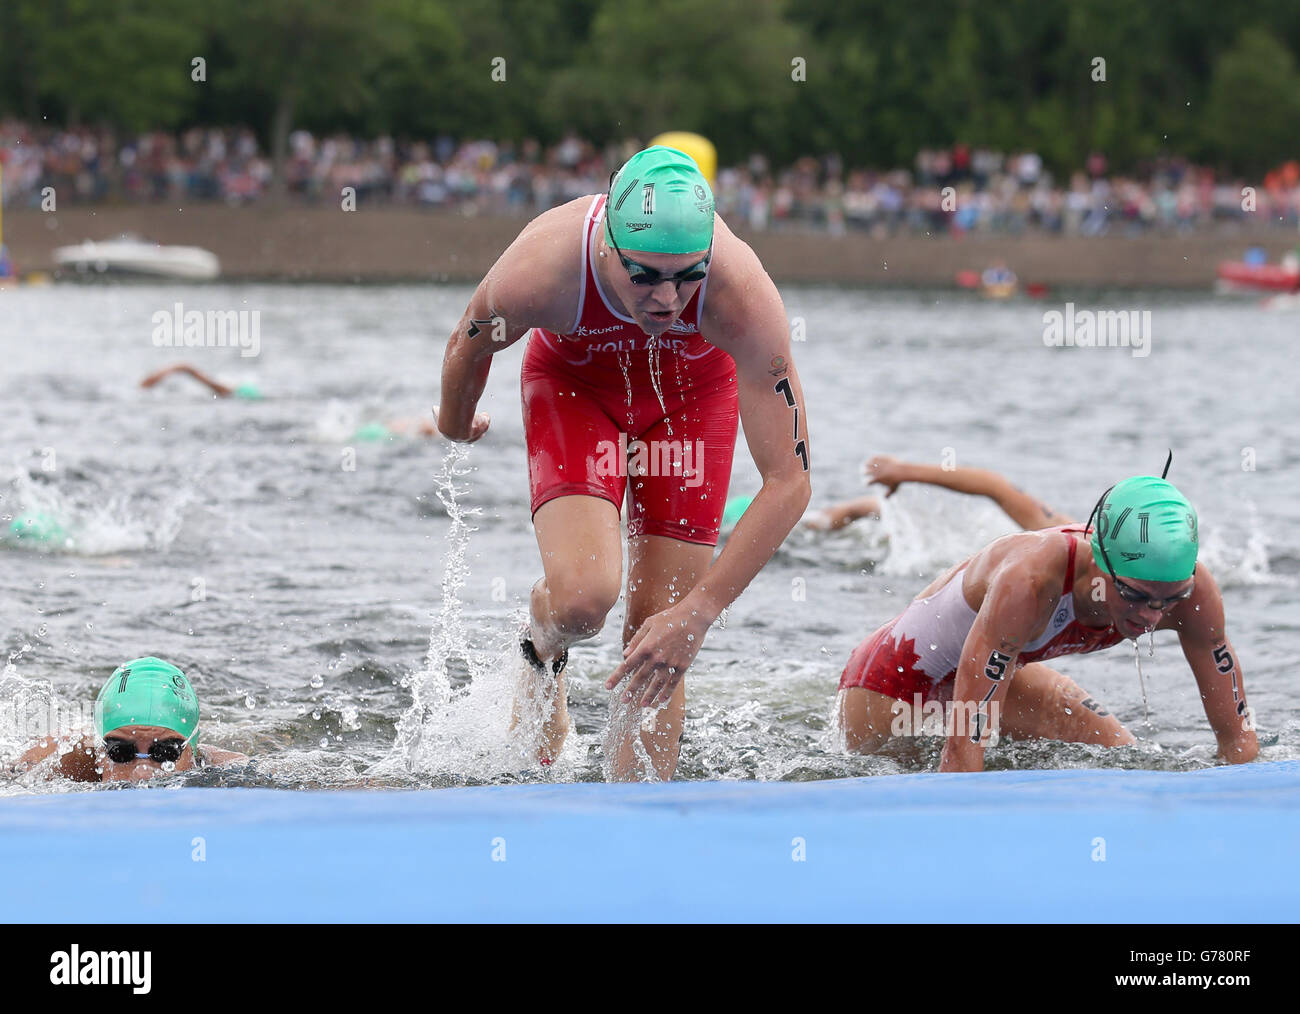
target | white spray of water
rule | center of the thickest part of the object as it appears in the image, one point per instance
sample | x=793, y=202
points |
x=91, y=521
x=465, y=731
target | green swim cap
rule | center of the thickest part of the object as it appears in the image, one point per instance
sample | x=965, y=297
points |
x=148, y=691
x=1147, y=529
x=372, y=432
x=38, y=527
x=660, y=202
x=249, y=392
x=736, y=506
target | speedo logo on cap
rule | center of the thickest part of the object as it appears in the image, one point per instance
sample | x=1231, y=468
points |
x=638, y=226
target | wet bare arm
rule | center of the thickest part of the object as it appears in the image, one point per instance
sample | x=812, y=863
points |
x=772, y=412
x=1017, y=604
x=1028, y=512
x=215, y=755
x=76, y=762
x=841, y=515
x=1201, y=631
x=217, y=388
x=513, y=298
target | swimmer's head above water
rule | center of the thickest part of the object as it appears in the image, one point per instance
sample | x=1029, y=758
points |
x=659, y=224
x=146, y=716
x=1145, y=538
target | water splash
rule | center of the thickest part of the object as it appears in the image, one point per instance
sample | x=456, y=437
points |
x=653, y=348
x=431, y=688
x=1137, y=662
x=94, y=516
x=625, y=364
x=458, y=727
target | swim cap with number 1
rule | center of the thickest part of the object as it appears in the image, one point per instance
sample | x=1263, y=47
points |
x=660, y=202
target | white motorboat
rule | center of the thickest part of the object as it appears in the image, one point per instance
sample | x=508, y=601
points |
x=130, y=255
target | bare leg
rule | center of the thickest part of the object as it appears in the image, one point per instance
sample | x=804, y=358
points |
x=582, y=557
x=1042, y=703
x=865, y=718
x=660, y=572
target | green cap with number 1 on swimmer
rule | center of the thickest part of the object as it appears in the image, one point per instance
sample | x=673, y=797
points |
x=660, y=202
x=1146, y=530
x=148, y=691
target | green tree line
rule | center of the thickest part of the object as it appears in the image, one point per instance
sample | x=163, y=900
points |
x=873, y=80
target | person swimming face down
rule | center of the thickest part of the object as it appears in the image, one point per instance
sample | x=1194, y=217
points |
x=146, y=721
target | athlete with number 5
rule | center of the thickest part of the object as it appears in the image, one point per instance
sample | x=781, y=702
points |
x=625, y=352
x=979, y=635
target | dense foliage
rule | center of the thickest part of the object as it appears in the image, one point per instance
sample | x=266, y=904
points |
x=1216, y=82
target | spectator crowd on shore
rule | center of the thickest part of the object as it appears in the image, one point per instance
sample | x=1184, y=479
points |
x=956, y=189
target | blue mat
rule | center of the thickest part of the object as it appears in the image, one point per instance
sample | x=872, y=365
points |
x=1107, y=846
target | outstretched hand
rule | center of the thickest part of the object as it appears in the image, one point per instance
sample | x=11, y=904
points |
x=885, y=470
x=657, y=658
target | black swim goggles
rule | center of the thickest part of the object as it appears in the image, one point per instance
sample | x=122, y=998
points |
x=161, y=751
x=639, y=274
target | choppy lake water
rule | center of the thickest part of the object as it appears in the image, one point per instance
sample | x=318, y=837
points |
x=305, y=599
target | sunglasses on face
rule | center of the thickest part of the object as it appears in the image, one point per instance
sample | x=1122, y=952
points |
x=161, y=751
x=639, y=274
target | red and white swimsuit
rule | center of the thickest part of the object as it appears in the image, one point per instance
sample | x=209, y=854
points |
x=919, y=651
x=590, y=394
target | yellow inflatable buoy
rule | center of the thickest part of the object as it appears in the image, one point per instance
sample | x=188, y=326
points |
x=699, y=148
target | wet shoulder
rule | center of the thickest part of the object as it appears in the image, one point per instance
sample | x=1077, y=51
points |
x=739, y=287
x=1033, y=560
x=541, y=273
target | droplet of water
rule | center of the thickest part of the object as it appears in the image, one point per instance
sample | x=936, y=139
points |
x=250, y=702
x=317, y=681
x=316, y=714
x=324, y=742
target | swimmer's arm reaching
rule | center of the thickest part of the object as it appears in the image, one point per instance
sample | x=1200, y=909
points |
x=215, y=755
x=1026, y=511
x=747, y=321
x=516, y=295
x=841, y=515
x=1201, y=631
x=1018, y=602
x=76, y=762
x=217, y=388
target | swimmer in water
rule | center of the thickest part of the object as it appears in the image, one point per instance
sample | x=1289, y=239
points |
x=146, y=718
x=372, y=431
x=248, y=392
x=974, y=641
x=1029, y=513
x=632, y=388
